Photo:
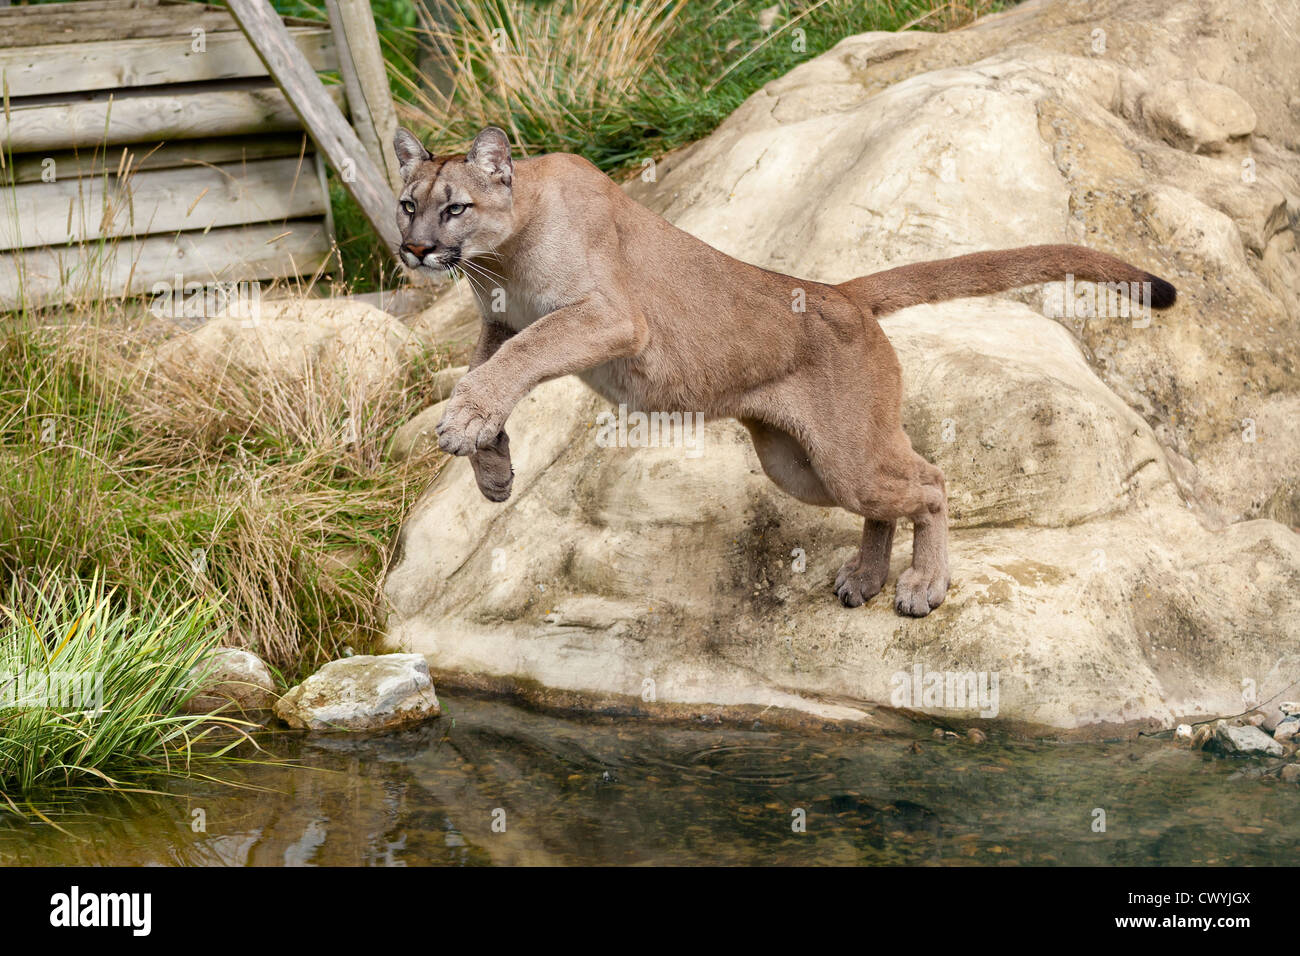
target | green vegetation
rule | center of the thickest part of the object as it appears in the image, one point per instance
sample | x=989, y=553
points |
x=90, y=687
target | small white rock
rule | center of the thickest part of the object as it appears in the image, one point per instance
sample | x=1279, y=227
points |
x=1286, y=730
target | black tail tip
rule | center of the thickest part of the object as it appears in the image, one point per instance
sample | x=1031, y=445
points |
x=1163, y=294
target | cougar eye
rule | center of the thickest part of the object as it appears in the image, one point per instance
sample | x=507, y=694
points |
x=409, y=207
x=456, y=208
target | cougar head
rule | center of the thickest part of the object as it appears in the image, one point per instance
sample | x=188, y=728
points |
x=453, y=208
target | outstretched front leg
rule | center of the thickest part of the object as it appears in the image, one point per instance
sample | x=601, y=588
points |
x=568, y=340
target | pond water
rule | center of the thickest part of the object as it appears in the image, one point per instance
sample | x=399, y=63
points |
x=493, y=783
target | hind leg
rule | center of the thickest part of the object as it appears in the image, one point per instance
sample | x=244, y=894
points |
x=882, y=482
x=922, y=587
x=864, y=574
x=786, y=462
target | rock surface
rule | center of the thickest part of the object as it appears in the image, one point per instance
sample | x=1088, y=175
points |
x=1245, y=742
x=290, y=339
x=1102, y=472
x=237, y=676
x=420, y=434
x=367, y=692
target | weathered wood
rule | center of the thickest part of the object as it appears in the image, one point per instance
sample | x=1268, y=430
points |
x=83, y=5
x=113, y=64
x=370, y=98
x=65, y=24
x=235, y=108
x=31, y=168
x=132, y=267
x=162, y=201
x=357, y=111
x=319, y=114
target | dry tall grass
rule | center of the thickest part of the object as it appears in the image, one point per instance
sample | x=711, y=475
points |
x=553, y=65
x=268, y=496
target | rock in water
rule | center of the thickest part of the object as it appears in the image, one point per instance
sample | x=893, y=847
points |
x=1286, y=729
x=1245, y=741
x=367, y=692
x=233, y=675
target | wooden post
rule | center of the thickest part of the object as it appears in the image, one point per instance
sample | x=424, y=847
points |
x=360, y=176
x=365, y=78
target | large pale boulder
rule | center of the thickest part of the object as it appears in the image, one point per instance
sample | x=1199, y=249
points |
x=1099, y=469
x=1080, y=578
x=346, y=342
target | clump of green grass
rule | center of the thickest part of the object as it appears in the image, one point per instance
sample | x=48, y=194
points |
x=617, y=81
x=92, y=688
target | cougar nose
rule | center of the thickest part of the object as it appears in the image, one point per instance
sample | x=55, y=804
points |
x=417, y=250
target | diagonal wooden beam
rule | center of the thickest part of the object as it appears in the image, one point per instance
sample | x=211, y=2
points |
x=365, y=78
x=323, y=120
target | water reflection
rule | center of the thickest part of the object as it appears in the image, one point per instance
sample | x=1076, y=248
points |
x=494, y=784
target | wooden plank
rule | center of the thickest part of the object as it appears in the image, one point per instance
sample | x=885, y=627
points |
x=74, y=26
x=61, y=8
x=320, y=115
x=162, y=201
x=236, y=108
x=86, y=6
x=53, y=23
x=132, y=267
x=29, y=167
x=323, y=179
x=365, y=79
x=112, y=64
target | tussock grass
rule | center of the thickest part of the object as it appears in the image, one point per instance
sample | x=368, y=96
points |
x=268, y=497
x=91, y=686
x=618, y=81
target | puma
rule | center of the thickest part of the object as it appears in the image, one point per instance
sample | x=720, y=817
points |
x=596, y=285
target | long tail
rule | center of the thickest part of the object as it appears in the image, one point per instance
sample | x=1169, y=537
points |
x=982, y=273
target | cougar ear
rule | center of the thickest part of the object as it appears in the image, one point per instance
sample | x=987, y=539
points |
x=491, y=153
x=410, y=152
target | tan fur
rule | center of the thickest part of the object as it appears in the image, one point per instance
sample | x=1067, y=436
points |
x=598, y=286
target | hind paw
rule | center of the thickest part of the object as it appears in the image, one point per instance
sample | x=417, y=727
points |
x=855, y=585
x=919, y=593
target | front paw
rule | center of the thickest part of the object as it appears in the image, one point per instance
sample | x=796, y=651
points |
x=492, y=469
x=470, y=422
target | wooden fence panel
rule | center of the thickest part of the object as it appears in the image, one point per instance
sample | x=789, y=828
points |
x=160, y=201
x=132, y=267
